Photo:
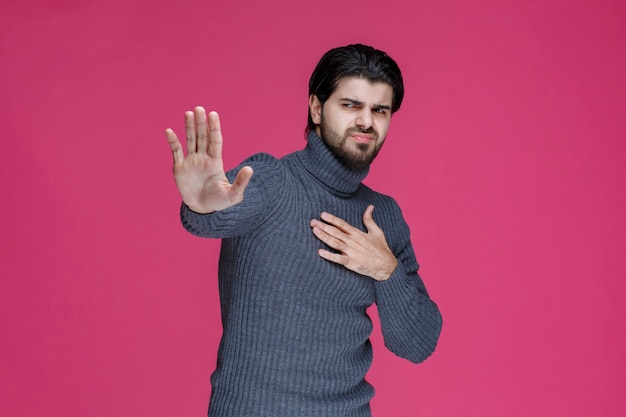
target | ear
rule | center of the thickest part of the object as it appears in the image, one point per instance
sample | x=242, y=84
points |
x=315, y=109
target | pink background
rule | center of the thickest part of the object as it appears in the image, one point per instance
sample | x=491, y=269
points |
x=508, y=158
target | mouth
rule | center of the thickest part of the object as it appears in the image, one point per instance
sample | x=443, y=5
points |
x=362, y=138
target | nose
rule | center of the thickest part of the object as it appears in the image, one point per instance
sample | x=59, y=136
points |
x=364, y=119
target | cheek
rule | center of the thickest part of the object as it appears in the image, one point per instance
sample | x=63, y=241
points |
x=382, y=129
x=340, y=124
x=331, y=119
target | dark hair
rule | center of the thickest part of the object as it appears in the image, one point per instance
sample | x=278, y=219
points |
x=354, y=61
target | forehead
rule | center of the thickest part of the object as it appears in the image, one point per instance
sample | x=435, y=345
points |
x=361, y=89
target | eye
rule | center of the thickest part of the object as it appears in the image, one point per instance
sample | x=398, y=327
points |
x=348, y=105
x=380, y=110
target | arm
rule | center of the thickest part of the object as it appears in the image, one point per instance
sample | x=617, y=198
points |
x=410, y=320
x=261, y=199
x=213, y=201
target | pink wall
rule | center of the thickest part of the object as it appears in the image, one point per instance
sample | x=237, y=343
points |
x=507, y=158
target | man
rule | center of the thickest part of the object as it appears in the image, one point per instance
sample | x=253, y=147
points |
x=302, y=256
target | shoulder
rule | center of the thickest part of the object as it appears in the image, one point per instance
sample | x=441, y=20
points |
x=264, y=165
x=267, y=183
x=262, y=160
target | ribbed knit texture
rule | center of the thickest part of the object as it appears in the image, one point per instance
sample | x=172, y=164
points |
x=296, y=332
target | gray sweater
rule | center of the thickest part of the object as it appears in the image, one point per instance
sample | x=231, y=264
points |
x=296, y=332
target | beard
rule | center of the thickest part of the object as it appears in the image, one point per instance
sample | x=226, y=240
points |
x=355, y=159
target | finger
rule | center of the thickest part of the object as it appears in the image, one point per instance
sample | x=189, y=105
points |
x=175, y=146
x=322, y=233
x=333, y=257
x=201, y=129
x=190, y=132
x=329, y=230
x=368, y=220
x=215, y=136
x=337, y=222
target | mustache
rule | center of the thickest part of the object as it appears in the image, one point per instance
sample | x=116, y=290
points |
x=356, y=129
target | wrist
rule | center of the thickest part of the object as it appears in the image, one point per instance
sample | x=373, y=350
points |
x=197, y=210
x=387, y=272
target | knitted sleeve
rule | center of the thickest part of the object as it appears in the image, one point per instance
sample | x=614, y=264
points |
x=242, y=218
x=410, y=320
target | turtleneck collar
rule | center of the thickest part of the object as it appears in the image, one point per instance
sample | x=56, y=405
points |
x=319, y=161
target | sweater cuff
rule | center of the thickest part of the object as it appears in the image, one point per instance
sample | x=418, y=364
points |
x=397, y=287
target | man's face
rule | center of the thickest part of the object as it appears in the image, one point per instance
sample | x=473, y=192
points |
x=353, y=122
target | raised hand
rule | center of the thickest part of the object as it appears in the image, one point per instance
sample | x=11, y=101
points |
x=366, y=253
x=200, y=176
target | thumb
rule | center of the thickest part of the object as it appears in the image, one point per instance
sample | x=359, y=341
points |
x=368, y=219
x=243, y=178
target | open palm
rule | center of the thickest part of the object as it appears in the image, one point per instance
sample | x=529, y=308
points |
x=200, y=176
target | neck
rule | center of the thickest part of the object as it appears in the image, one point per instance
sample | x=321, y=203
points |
x=320, y=162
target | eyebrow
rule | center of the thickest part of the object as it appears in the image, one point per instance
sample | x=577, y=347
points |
x=360, y=103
